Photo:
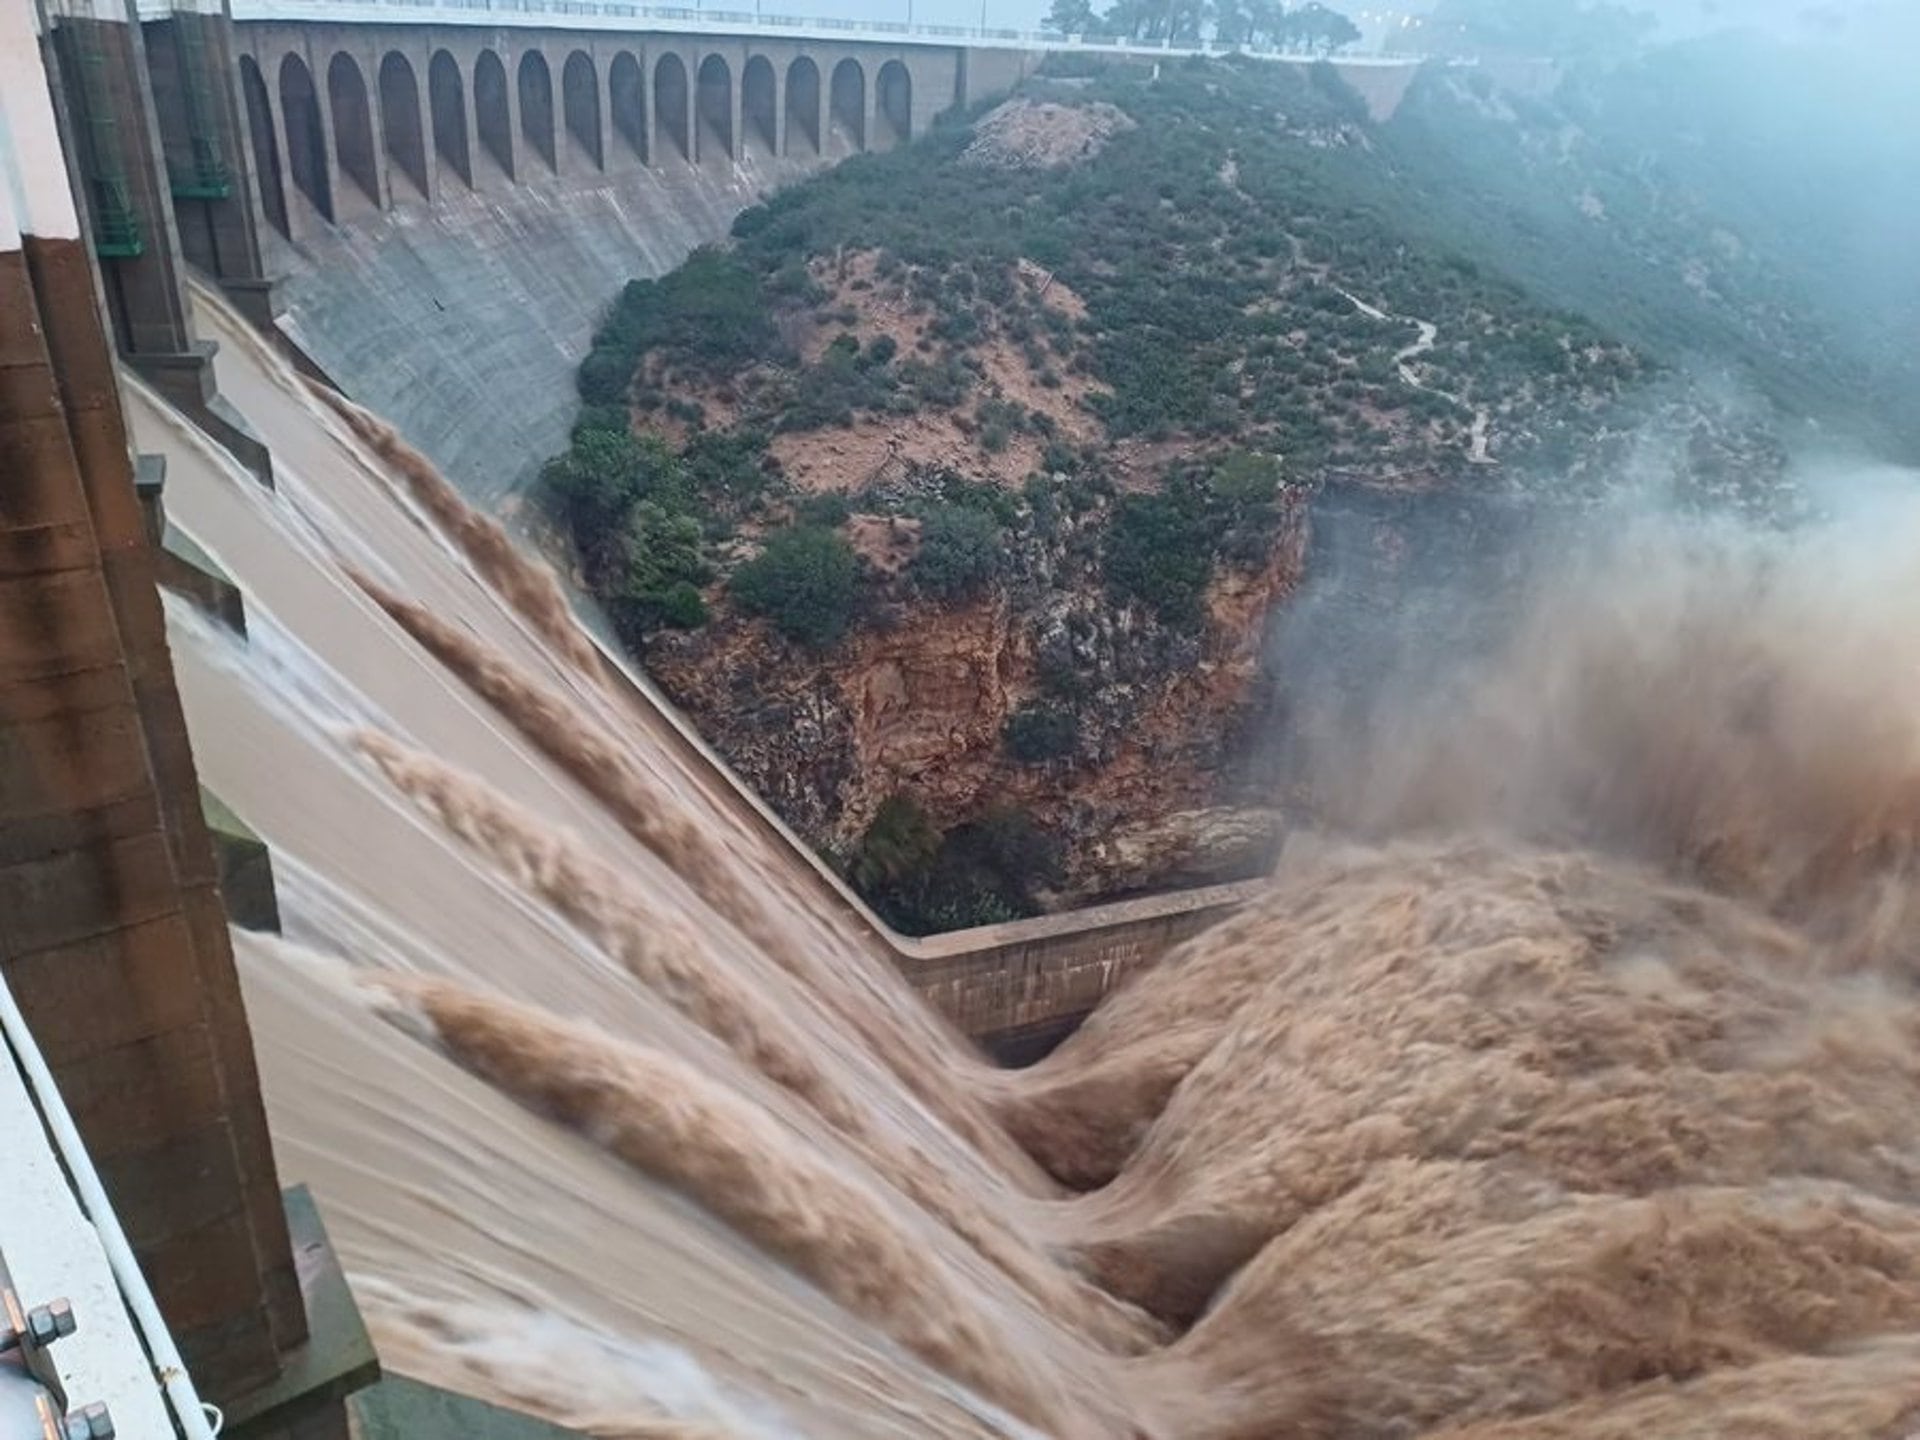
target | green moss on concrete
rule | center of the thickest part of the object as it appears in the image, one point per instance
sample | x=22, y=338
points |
x=191, y=572
x=338, y=1357
x=402, y=1409
x=245, y=864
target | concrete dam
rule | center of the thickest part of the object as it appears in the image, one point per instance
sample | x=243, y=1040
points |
x=431, y=209
x=412, y=1030
x=208, y=215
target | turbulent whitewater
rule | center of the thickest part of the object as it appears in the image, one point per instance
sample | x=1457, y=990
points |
x=1575, y=1092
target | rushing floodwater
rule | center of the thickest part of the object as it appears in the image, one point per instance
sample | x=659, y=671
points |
x=613, y=1118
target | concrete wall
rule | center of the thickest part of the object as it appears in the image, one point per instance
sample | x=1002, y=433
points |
x=1007, y=986
x=463, y=323
x=454, y=285
x=1017, y=989
x=351, y=110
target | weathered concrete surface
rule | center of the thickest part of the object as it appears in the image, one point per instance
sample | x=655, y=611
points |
x=110, y=922
x=463, y=323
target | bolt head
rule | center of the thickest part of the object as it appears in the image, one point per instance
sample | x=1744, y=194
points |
x=47, y=1323
x=89, y=1422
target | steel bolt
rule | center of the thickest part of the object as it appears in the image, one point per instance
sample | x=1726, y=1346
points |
x=47, y=1323
x=89, y=1422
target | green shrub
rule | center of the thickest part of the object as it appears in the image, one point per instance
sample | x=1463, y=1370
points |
x=833, y=391
x=1159, y=551
x=604, y=375
x=960, y=553
x=1244, y=478
x=681, y=606
x=602, y=475
x=830, y=510
x=727, y=467
x=710, y=314
x=1007, y=845
x=662, y=547
x=1037, y=732
x=982, y=872
x=610, y=418
x=806, y=581
x=898, y=845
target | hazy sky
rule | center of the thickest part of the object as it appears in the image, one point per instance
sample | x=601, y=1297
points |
x=1867, y=20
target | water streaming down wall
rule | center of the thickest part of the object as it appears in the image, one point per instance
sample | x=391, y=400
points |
x=1454, y=1133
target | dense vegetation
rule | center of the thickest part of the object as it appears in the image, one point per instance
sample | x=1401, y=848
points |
x=1136, y=367
x=805, y=581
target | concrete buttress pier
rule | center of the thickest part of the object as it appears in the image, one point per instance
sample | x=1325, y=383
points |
x=112, y=933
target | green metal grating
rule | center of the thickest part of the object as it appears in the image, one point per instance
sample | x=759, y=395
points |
x=205, y=175
x=116, y=224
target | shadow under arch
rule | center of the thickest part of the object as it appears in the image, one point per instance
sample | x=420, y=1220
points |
x=447, y=103
x=400, y=119
x=580, y=101
x=847, y=106
x=713, y=104
x=670, y=107
x=353, y=124
x=536, y=106
x=892, y=105
x=803, y=107
x=266, y=151
x=492, y=115
x=627, y=102
x=759, y=113
x=306, y=146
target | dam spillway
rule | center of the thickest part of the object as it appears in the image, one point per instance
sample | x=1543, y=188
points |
x=625, y=1116
x=477, y=945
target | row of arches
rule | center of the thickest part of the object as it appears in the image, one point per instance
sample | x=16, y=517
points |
x=510, y=123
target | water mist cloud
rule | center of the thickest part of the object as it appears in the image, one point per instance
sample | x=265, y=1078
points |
x=1738, y=704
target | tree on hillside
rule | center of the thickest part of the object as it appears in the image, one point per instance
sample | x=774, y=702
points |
x=805, y=581
x=1315, y=27
x=899, y=843
x=1158, y=550
x=603, y=475
x=665, y=566
x=959, y=553
x=1071, y=17
x=1232, y=22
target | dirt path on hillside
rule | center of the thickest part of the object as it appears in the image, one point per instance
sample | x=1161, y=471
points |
x=1403, y=361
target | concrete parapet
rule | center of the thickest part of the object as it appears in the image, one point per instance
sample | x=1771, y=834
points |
x=1017, y=987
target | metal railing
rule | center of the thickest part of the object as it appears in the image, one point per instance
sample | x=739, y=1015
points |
x=116, y=223
x=615, y=15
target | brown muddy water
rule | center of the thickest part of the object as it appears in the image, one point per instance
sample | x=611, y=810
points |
x=1575, y=1093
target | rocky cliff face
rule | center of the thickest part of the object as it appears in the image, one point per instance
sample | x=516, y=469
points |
x=963, y=500
x=918, y=702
